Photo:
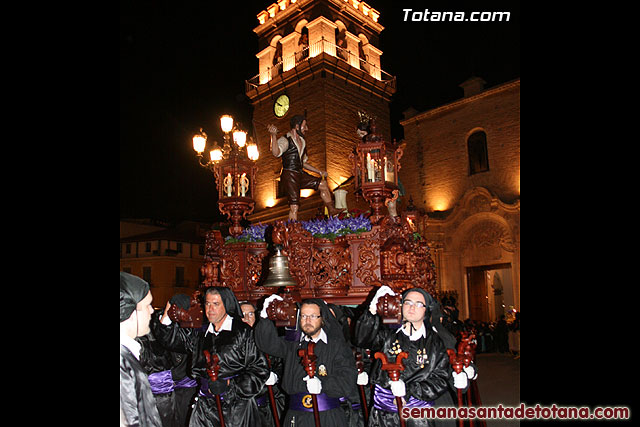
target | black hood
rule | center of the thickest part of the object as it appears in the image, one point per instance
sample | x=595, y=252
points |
x=428, y=299
x=432, y=317
x=331, y=325
x=341, y=317
x=132, y=290
x=231, y=305
x=448, y=338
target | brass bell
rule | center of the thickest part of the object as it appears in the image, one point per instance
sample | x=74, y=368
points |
x=279, y=270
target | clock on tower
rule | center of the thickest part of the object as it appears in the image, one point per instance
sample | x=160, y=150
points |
x=318, y=58
x=281, y=106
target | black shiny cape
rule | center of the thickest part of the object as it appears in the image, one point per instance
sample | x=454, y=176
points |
x=266, y=414
x=239, y=359
x=137, y=403
x=426, y=383
x=338, y=361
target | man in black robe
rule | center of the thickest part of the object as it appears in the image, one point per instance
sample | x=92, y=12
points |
x=173, y=389
x=427, y=369
x=336, y=371
x=157, y=362
x=275, y=366
x=243, y=368
x=137, y=404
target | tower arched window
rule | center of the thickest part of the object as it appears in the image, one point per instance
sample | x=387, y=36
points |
x=478, y=154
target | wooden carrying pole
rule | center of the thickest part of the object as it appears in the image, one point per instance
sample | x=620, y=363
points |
x=456, y=364
x=363, y=396
x=212, y=370
x=393, y=370
x=272, y=400
x=309, y=364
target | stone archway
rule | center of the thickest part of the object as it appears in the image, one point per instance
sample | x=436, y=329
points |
x=480, y=232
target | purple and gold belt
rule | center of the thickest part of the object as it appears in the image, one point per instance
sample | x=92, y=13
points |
x=303, y=402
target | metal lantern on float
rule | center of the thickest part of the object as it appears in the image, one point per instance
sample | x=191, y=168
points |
x=377, y=162
x=412, y=215
x=234, y=169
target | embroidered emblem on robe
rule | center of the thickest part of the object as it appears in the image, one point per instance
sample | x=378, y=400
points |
x=307, y=402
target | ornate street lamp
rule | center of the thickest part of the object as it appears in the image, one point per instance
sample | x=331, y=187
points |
x=376, y=164
x=234, y=169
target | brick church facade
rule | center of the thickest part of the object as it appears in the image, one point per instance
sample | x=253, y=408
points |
x=464, y=174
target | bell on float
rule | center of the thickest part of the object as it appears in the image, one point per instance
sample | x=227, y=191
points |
x=279, y=271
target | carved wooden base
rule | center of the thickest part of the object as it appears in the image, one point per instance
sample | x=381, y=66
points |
x=343, y=271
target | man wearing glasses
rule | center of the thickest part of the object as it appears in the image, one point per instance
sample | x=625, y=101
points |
x=336, y=371
x=427, y=369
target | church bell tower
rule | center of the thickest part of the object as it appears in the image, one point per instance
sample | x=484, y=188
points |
x=318, y=58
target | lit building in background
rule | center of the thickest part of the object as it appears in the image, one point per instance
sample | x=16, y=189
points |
x=167, y=257
x=464, y=174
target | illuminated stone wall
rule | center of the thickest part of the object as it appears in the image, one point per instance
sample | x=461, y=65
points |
x=436, y=173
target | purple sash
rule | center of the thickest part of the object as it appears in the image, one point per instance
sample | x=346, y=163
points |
x=384, y=400
x=161, y=382
x=303, y=402
x=186, y=382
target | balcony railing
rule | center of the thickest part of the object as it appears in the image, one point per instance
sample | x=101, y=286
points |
x=313, y=50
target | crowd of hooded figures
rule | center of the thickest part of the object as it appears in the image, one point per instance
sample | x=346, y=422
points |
x=496, y=337
x=237, y=368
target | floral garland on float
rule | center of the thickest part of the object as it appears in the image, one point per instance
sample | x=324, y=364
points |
x=353, y=222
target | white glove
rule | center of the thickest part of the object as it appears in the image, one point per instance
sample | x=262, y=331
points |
x=397, y=388
x=314, y=386
x=263, y=313
x=363, y=378
x=470, y=371
x=273, y=378
x=384, y=290
x=460, y=380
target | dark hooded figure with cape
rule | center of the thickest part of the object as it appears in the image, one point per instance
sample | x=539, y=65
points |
x=242, y=371
x=137, y=403
x=427, y=370
x=336, y=372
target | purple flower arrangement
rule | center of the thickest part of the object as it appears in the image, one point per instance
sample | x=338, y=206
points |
x=329, y=228
x=333, y=227
x=254, y=233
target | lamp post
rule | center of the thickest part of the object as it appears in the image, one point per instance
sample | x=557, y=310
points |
x=234, y=169
x=377, y=162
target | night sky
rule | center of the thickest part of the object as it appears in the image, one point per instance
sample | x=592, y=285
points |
x=183, y=64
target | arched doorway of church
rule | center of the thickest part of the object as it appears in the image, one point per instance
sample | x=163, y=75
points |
x=489, y=291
